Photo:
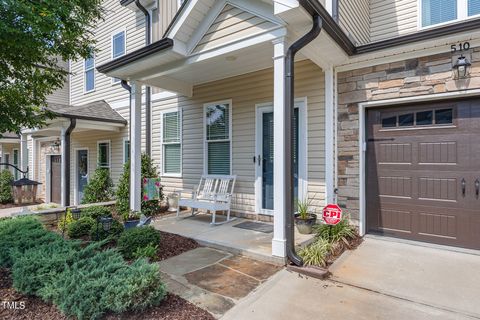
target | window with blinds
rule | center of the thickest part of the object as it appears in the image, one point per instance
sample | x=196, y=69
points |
x=172, y=145
x=89, y=74
x=103, y=154
x=218, y=140
x=442, y=11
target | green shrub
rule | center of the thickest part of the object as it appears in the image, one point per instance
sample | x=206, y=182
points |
x=65, y=221
x=343, y=231
x=6, y=179
x=137, y=238
x=20, y=234
x=316, y=253
x=96, y=212
x=149, y=252
x=149, y=208
x=81, y=227
x=99, y=188
x=89, y=288
x=115, y=231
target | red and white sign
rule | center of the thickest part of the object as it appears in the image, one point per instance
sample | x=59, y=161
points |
x=332, y=214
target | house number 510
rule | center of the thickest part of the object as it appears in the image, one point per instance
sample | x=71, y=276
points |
x=462, y=46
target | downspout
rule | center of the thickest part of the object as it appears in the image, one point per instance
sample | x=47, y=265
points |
x=288, y=125
x=68, y=133
x=148, y=91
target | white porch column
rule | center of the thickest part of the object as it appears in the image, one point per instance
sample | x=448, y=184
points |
x=23, y=152
x=329, y=135
x=135, y=146
x=63, y=164
x=279, y=237
x=33, y=169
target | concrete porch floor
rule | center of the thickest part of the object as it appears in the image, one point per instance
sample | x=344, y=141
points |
x=249, y=243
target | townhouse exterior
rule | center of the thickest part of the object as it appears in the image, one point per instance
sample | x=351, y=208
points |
x=384, y=123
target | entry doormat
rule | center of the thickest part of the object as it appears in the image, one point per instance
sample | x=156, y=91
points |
x=255, y=226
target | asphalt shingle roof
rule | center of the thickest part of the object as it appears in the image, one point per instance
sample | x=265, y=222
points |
x=95, y=111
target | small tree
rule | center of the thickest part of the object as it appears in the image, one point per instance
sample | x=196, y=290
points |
x=149, y=170
x=99, y=188
x=6, y=179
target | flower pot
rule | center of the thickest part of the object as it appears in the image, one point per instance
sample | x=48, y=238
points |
x=130, y=224
x=305, y=226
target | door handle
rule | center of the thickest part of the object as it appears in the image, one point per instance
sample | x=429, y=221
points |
x=464, y=185
x=477, y=187
x=259, y=160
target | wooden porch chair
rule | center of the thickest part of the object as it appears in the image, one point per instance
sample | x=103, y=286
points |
x=214, y=193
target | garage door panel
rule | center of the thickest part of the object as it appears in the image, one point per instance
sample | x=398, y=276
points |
x=415, y=174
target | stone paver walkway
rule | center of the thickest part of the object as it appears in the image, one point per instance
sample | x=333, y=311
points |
x=214, y=280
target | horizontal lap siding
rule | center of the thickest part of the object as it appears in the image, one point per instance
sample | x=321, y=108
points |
x=61, y=95
x=245, y=92
x=116, y=18
x=354, y=17
x=391, y=18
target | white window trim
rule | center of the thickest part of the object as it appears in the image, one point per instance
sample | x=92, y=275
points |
x=205, y=142
x=114, y=33
x=172, y=175
x=109, y=153
x=124, y=151
x=85, y=91
x=462, y=15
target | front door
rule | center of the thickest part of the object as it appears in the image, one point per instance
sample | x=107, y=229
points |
x=265, y=157
x=82, y=173
x=55, y=179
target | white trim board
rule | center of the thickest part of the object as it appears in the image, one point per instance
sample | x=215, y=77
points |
x=362, y=107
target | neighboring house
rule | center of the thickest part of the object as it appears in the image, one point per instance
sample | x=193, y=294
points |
x=384, y=125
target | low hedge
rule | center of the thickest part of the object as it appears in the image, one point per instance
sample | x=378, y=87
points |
x=85, y=283
x=81, y=227
x=96, y=212
x=134, y=239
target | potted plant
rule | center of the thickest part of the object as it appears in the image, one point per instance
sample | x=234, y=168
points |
x=304, y=220
x=131, y=219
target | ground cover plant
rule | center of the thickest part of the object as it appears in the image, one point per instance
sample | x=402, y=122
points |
x=138, y=242
x=330, y=242
x=85, y=282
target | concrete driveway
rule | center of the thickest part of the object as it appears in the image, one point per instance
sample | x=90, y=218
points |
x=380, y=280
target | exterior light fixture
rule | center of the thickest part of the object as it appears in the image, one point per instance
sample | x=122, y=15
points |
x=106, y=223
x=55, y=144
x=461, y=67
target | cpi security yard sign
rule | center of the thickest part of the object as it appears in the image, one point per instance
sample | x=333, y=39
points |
x=332, y=214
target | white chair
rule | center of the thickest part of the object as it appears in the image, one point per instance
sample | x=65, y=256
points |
x=214, y=193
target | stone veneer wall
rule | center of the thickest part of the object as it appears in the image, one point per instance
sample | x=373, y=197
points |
x=414, y=77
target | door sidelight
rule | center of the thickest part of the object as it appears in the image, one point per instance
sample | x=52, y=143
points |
x=464, y=185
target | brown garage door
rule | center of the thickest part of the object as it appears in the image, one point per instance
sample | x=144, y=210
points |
x=423, y=172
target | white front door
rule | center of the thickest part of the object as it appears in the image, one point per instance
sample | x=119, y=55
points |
x=263, y=159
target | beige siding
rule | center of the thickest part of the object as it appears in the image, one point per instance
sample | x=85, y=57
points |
x=354, y=18
x=117, y=18
x=392, y=18
x=61, y=95
x=245, y=91
x=166, y=11
x=230, y=25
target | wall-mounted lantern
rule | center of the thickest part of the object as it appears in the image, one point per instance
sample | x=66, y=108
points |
x=461, y=67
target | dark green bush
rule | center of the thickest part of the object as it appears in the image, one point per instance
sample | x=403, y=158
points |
x=6, y=179
x=96, y=212
x=114, y=232
x=136, y=238
x=85, y=283
x=149, y=170
x=342, y=231
x=99, y=188
x=20, y=234
x=89, y=288
x=81, y=227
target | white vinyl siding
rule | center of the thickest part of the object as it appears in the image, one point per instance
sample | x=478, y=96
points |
x=89, y=74
x=103, y=155
x=171, y=141
x=217, y=138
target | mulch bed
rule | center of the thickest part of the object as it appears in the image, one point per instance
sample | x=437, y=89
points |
x=171, y=308
x=172, y=245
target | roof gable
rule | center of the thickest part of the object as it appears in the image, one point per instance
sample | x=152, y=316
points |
x=232, y=24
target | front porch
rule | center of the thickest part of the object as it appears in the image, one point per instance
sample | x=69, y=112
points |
x=228, y=237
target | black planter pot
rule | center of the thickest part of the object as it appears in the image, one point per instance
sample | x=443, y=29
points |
x=131, y=224
x=305, y=226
